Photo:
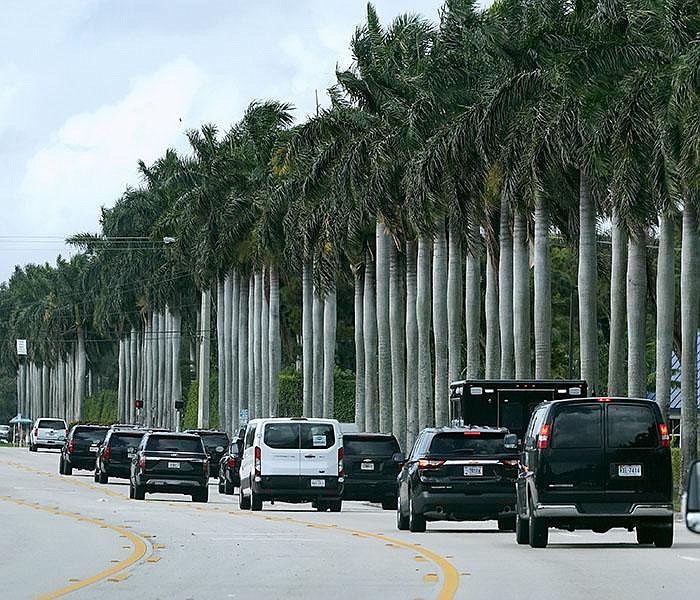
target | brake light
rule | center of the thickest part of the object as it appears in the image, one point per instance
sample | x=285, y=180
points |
x=341, y=470
x=142, y=462
x=70, y=447
x=665, y=439
x=425, y=463
x=36, y=432
x=543, y=438
x=258, y=461
x=206, y=467
x=106, y=453
x=604, y=399
x=232, y=462
x=66, y=433
x=472, y=433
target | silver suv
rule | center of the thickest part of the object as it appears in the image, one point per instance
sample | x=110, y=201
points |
x=47, y=433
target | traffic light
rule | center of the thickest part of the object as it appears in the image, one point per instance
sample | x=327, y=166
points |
x=139, y=403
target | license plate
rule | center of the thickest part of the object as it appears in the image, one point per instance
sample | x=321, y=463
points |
x=474, y=471
x=367, y=466
x=629, y=470
x=318, y=483
x=173, y=465
x=93, y=448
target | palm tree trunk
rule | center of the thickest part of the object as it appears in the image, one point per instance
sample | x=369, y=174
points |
x=636, y=314
x=329, y=329
x=521, y=298
x=440, y=331
x=426, y=414
x=265, y=348
x=383, y=333
x=307, y=341
x=275, y=340
x=492, y=364
x=588, y=285
x=168, y=360
x=472, y=308
x=454, y=303
x=411, y=345
x=317, y=394
x=128, y=398
x=80, y=377
x=204, y=358
x=133, y=360
x=618, y=329
x=369, y=323
x=221, y=350
x=148, y=367
x=251, y=347
x=160, y=367
x=359, y=350
x=397, y=330
x=226, y=425
x=689, y=333
x=176, y=378
x=505, y=291
x=665, y=313
x=45, y=399
x=243, y=345
x=234, y=374
x=543, y=291
x=257, y=341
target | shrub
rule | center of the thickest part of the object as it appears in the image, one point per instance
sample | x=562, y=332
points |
x=189, y=420
x=291, y=386
x=100, y=408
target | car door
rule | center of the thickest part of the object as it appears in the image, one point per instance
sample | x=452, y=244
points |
x=279, y=447
x=528, y=457
x=637, y=466
x=319, y=449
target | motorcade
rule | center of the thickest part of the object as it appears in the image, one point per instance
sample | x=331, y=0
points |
x=229, y=467
x=507, y=402
x=459, y=474
x=372, y=462
x=114, y=455
x=596, y=463
x=292, y=460
x=691, y=499
x=80, y=448
x=215, y=443
x=5, y=433
x=170, y=463
x=47, y=433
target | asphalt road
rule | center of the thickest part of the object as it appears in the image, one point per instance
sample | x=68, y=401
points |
x=68, y=535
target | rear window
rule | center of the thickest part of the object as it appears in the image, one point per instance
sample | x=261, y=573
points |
x=317, y=435
x=125, y=440
x=370, y=446
x=299, y=435
x=174, y=444
x=631, y=426
x=51, y=424
x=459, y=443
x=212, y=440
x=577, y=426
x=90, y=435
x=282, y=435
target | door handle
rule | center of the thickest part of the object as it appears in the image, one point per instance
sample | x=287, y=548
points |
x=309, y=456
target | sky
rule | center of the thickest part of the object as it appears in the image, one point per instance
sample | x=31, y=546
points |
x=89, y=87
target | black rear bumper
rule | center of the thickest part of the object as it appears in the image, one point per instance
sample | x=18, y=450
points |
x=292, y=488
x=369, y=490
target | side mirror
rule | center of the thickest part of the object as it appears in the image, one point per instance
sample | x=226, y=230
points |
x=510, y=441
x=691, y=499
x=398, y=457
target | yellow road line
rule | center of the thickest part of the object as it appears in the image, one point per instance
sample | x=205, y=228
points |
x=139, y=546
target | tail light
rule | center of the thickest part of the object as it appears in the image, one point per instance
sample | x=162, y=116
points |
x=509, y=462
x=258, y=461
x=604, y=399
x=231, y=462
x=66, y=433
x=206, y=467
x=142, y=462
x=663, y=432
x=70, y=447
x=341, y=470
x=106, y=453
x=425, y=463
x=472, y=433
x=36, y=432
x=543, y=438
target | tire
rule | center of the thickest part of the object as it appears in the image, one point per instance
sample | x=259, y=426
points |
x=96, y=477
x=201, y=495
x=645, y=535
x=139, y=492
x=221, y=486
x=401, y=519
x=506, y=523
x=256, y=502
x=539, y=532
x=416, y=521
x=104, y=478
x=320, y=505
x=32, y=448
x=228, y=487
x=131, y=491
x=663, y=535
x=243, y=501
x=67, y=469
x=389, y=504
x=335, y=505
x=60, y=466
x=522, y=530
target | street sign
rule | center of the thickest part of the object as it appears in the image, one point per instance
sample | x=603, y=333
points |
x=21, y=347
x=243, y=416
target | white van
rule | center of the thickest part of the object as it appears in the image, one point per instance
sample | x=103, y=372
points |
x=292, y=460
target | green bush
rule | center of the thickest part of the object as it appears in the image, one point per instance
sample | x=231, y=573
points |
x=291, y=386
x=189, y=420
x=100, y=408
x=344, y=408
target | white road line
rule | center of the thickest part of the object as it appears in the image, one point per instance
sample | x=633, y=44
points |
x=690, y=558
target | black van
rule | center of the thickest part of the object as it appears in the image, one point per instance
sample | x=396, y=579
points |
x=596, y=463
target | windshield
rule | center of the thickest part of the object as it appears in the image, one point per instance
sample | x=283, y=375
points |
x=125, y=440
x=212, y=440
x=459, y=443
x=175, y=444
x=370, y=446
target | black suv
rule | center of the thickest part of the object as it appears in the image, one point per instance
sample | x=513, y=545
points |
x=596, y=463
x=170, y=463
x=372, y=461
x=115, y=454
x=80, y=448
x=459, y=474
x=216, y=444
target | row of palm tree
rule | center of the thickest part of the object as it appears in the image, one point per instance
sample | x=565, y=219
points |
x=452, y=156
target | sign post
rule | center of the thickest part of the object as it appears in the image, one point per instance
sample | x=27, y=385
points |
x=242, y=417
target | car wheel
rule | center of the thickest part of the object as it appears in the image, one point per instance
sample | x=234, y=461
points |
x=243, y=501
x=221, y=486
x=96, y=477
x=32, y=448
x=645, y=535
x=506, y=523
x=319, y=505
x=104, y=478
x=60, y=465
x=663, y=535
x=335, y=505
x=256, y=502
x=228, y=487
x=539, y=532
x=401, y=518
x=522, y=530
x=389, y=504
x=67, y=468
x=416, y=521
x=131, y=491
x=201, y=495
x=139, y=492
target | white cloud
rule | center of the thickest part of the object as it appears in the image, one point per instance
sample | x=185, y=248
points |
x=11, y=82
x=89, y=160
